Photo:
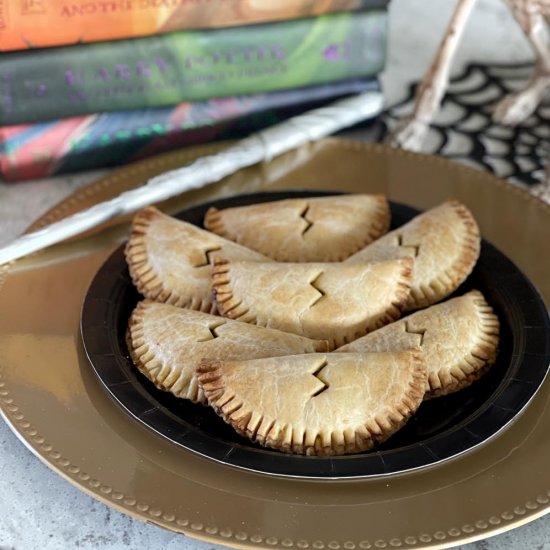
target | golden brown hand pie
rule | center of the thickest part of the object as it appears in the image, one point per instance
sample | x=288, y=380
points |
x=323, y=229
x=166, y=344
x=444, y=243
x=459, y=339
x=317, y=404
x=171, y=260
x=337, y=302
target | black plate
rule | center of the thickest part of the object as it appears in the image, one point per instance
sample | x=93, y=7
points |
x=442, y=428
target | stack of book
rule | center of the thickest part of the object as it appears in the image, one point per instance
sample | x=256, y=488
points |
x=94, y=83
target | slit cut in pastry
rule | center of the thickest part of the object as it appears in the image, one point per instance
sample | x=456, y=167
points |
x=317, y=404
x=166, y=343
x=444, y=243
x=337, y=302
x=171, y=260
x=322, y=229
x=459, y=339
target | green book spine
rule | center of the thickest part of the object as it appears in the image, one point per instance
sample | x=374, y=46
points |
x=189, y=66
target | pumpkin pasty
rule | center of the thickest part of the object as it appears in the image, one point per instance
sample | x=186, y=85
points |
x=444, y=243
x=171, y=260
x=327, y=301
x=459, y=339
x=317, y=404
x=167, y=343
x=322, y=229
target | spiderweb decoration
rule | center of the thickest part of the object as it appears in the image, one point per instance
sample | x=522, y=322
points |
x=464, y=131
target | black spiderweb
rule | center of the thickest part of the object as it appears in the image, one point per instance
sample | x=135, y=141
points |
x=464, y=131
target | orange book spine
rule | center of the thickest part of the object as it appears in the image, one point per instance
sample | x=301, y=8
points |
x=26, y=24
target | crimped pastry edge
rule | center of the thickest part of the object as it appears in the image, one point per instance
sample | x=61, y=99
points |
x=480, y=359
x=213, y=221
x=269, y=433
x=153, y=369
x=232, y=307
x=146, y=280
x=158, y=372
x=380, y=223
x=449, y=280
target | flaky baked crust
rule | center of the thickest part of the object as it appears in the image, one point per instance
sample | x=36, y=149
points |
x=337, y=302
x=459, y=339
x=445, y=245
x=166, y=343
x=321, y=229
x=317, y=404
x=171, y=260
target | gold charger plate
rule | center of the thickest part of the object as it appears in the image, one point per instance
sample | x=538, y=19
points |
x=52, y=400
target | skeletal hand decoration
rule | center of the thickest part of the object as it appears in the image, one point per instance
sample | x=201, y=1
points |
x=533, y=16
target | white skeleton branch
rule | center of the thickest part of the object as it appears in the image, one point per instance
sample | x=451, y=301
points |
x=411, y=131
x=533, y=16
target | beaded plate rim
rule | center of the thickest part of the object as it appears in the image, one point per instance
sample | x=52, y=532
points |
x=42, y=449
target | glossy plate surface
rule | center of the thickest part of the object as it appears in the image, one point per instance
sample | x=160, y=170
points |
x=58, y=407
x=441, y=429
